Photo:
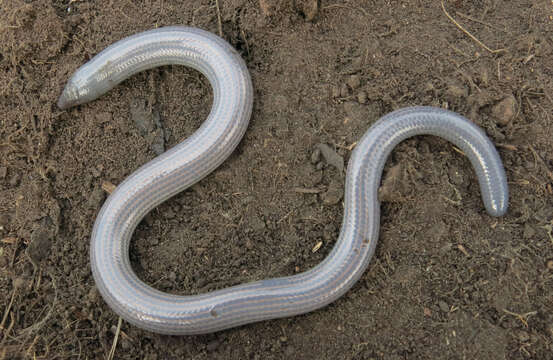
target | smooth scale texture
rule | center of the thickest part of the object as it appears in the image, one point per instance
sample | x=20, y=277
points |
x=197, y=156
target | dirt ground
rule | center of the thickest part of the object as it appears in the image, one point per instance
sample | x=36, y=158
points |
x=447, y=280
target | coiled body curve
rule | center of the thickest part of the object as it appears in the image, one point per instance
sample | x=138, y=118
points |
x=207, y=148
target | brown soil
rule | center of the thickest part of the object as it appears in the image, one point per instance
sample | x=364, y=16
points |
x=447, y=280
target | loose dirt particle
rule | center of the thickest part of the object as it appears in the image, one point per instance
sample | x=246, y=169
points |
x=41, y=241
x=108, y=187
x=334, y=193
x=505, y=111
x=331, y=157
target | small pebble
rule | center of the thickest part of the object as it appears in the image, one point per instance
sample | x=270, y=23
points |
x=108, y=187
x=39, y=247
x=505, y=110
x=549, y=264
x=172, y=276
x=3, y=172
x=331, y=157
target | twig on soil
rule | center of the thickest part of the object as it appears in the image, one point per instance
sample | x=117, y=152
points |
x=5, y=317
x=219, y=23
x=463, y=250
x=12, y=260
x=285, y=216
x=347, y=147
x=479, y=21
x=8, y=330
x=507, y=146
x=33, y=343
x=469, y=34
x=112, y=351
x=522, y=317
x=245, y=41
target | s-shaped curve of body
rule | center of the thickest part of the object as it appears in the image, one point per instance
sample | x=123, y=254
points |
x=198, y=155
